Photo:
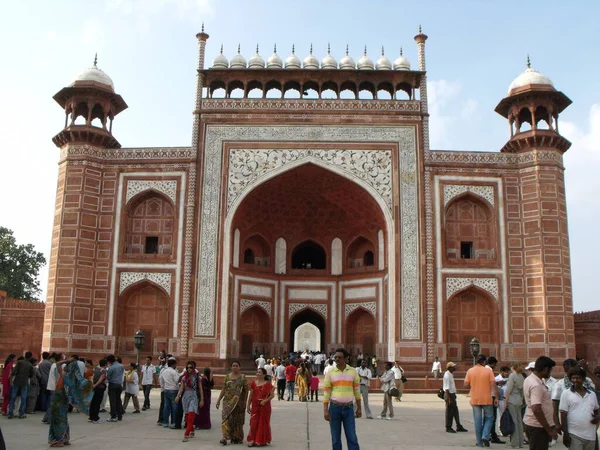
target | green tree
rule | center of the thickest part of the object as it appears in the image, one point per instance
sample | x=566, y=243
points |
x=19, y=267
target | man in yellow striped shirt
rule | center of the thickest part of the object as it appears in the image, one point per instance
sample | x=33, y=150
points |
x=342, y=389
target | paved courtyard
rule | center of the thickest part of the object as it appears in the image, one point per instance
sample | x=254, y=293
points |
x=419, y=424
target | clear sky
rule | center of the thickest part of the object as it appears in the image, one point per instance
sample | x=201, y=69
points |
x=148, y=47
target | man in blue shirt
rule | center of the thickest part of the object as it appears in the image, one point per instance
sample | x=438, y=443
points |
x=114, y=376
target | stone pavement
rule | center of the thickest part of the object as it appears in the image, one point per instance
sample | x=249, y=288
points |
x=419, y=424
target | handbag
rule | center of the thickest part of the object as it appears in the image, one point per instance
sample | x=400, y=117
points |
x=507, y=426
x=441, y=393
x=404, y=379
x=394, y=392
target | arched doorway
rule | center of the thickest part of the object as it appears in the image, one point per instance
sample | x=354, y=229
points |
x=360, y=332
x=254, y=331
x=471, y=313
x=144, y=307
x=301, y=318
x=307, y=336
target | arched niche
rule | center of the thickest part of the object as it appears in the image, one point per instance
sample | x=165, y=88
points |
x=361, y=334
x=281, y=256
x=150, y=225
x=309, y=255
x=336, y=257
x=302, y=317
x=255, y=331
x=256, y=251
x=360, y=253
x=470, y=230
x=307, y=337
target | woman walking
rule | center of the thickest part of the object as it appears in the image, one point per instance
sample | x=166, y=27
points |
x=132, y=388
x=259, y=408
x=514, y=403
x=202, y=421
x=233, y=394
x=191, y=396
x=71, y=387
x=8, y=365
x=302, y=377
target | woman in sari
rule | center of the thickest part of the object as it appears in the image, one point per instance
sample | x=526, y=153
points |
x=8, y=365
x=233, y=394
x=302, y=382
x=71, y=387
x=202, y=421
x=259, y=408
x=191, y=396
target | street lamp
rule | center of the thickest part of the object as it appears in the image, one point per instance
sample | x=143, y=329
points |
x=474, y=346
x=138, y=341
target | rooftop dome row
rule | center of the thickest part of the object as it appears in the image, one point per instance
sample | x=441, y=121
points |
x=310, y=62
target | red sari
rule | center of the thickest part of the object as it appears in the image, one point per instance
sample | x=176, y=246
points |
x=260, y=417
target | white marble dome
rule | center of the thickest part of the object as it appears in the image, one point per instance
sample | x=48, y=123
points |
x=94, y=74
x=383, y=63
x=292, y=61
x=238, y=61
x=274, y=61
x=256, y=61
x=329, y=61
x=530, y=76
x=310, y=62
x=347, y=62
x=401, y=62
x=365, y=62
x=220, y=62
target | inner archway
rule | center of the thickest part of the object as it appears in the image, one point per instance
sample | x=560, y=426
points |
x=302, y=318
x=254, y=331
x=307, y=336
x=361, y=333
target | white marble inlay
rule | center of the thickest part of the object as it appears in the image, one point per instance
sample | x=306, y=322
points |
x=163, y=279
x=257, y=291
x=351, y=307
x=308, y=294
x=361, y=292
x=454, y=190
x=245, y=304
x=167, y=187
x=319, y=307
x=454, y=285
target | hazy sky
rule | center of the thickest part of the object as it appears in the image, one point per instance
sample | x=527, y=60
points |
x=475, y=49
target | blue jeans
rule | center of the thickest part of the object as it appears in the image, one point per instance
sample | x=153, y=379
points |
x=22, y=391
x=483, y=416
x=290, y=385
x=170, y=408
x=339, y=415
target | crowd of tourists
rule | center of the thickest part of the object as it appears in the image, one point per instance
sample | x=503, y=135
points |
x=526, y=404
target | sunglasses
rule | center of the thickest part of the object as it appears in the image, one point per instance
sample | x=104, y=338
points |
x=189, y=367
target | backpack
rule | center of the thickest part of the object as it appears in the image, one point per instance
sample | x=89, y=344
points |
x=507, y=426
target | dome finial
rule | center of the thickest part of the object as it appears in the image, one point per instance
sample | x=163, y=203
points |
x=382, y=51
x=238, y=49
x=221, y=49
x=95, y=59
x=346, y=49
x=257, y=49
x=274, y=48
x=202, y=27
x=311, y=48
x=293, y=49
x=400, y=51
x=528, y=62
x=365, y=53
x=420, y=31
x=328, y=48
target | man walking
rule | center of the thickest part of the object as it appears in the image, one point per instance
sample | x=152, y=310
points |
x=450, y=398
x=342, y=388
x=481, y=381
x=365, y=380
x=436, y=368
x=290, y=380
x=44, y=371
x=148, y=371
x=114, y=376
x=538, y=419
x=169, y=382
x=492, y=362
x=21, y=373
x=577, y=405
x=280, y=376
x=260, y=362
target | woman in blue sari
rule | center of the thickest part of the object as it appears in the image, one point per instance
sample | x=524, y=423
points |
x=71, y=387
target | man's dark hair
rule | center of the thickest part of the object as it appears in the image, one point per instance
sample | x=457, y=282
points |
x=505, y=369
x=577, y=370
x=342, y=350
x=45, y=355
x=102, y=362
x=119, y=360
x=569, y=363
x=149, y=357
x=492, y=360
x=389, y=365
x=544, y=362
x=111, y=358
x=54, y=355
x=76, y=357
x=28, y=355
x=33, y=361
x=172, y=362
x=481, y=359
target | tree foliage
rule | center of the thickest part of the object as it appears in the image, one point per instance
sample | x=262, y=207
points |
x=19, y=267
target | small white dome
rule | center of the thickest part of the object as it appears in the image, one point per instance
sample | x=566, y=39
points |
x=274, y=61
x=365, y=62
x=347, y=62
x=310, y=62
x=238, y=61
x=94, y=74
x=383, y=63
x=530, y=76
x=401, y=63
x=256, y=62
x=220, y=62
x=292, y=61
x=329, y=61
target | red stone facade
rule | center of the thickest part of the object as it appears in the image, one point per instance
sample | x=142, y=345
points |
x=587, y=336
x=21, y=323
x=293, y=210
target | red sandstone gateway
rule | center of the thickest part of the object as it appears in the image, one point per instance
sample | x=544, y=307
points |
x=305, y=214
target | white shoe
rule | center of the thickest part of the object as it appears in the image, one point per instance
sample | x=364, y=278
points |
x=389, y=418
x=381, y=417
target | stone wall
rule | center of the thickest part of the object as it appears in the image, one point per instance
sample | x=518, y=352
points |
x=587, y=336
x=21, y=325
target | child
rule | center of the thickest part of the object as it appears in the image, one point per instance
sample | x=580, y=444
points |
x=314, y=386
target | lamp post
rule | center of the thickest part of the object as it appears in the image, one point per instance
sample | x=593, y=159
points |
x=474, y=346
x=138, y=341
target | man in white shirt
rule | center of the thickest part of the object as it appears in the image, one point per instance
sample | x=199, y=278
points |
x=51, y=386
x=269, y=368
x=148, y=371
x=260, y=362
x=579, y=413
x=436, y=368
x=449, y=388
x=169, y=382
x=365, y=380
x=565, y=384
x=280, y=374
x=398, y=372
x=328, y=367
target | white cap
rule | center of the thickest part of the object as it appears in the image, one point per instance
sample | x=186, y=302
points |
x=530, y=366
